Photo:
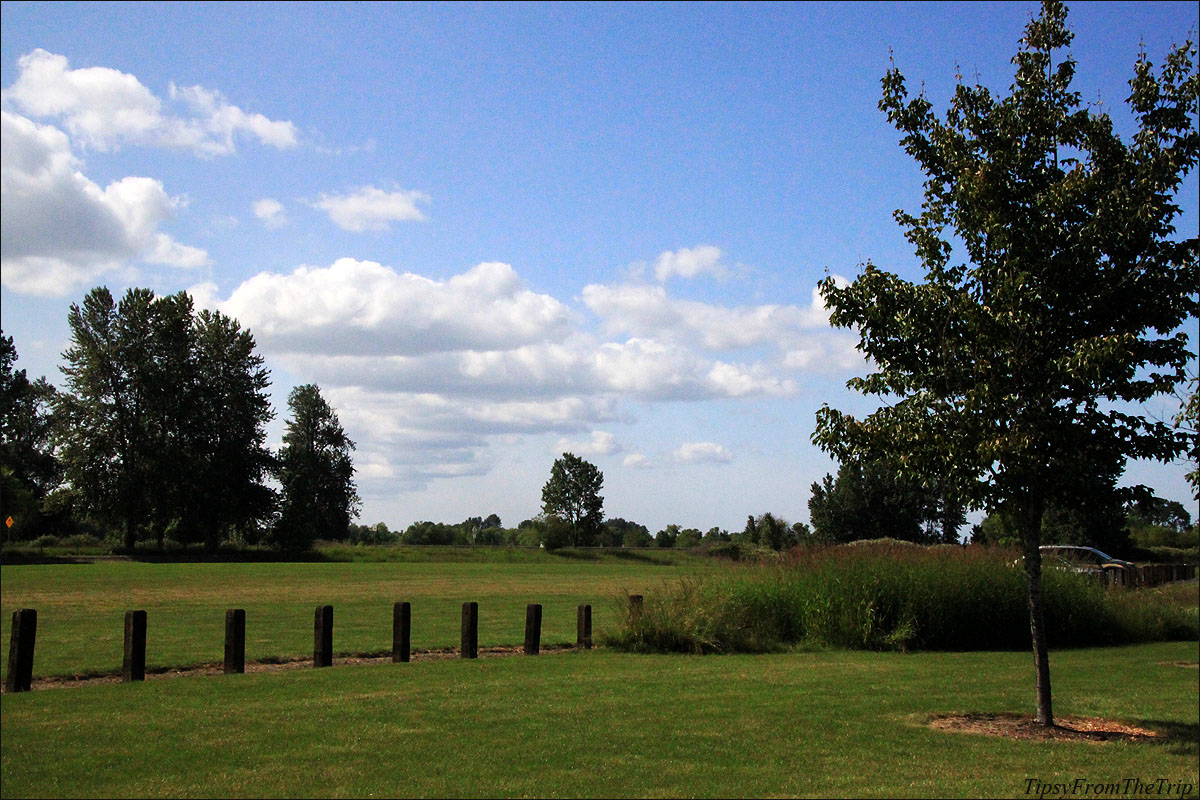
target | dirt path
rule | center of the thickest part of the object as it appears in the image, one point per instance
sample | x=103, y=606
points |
x=217, y=668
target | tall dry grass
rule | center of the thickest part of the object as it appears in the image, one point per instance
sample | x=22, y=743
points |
x=892, y=597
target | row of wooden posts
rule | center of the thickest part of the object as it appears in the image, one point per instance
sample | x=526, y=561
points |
x=133, y=667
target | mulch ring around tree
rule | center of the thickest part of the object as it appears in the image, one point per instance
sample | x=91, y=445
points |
x=297, y=663
x=1020, y=726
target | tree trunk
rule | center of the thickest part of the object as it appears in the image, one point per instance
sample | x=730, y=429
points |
x=1030, y=522
x=130, y=532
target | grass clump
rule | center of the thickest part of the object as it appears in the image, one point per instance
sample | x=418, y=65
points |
x=891, y=597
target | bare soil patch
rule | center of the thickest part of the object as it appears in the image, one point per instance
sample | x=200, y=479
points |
x=302, y=662
x=1018, y=726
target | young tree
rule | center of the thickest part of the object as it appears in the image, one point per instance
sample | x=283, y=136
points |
x=573, y=495
x=1002, y=372
x=316, y=472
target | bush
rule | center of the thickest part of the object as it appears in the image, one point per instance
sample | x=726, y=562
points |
x=891, y=597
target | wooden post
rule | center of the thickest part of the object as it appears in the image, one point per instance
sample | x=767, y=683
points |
x=635, y=606
x=470, y=630
x=401, y=633
x=583, y=627
x=533, y=629
x=20, y=651
x=323, y=637
x=235, y=641
x=133, y=668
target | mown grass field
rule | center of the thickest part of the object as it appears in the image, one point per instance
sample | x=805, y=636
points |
x=806, y=722
x=604, y=724
x=81, y=607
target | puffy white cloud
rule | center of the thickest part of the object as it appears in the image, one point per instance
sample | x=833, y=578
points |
x=369, y=208
x=601, y=443
x=648, y=311
x=702, y=453
x=412, y=438
x=270, y=212
x=689, y=262
x=214, y=122
x=60, y=229
x=830, y=353
x=430, y=375
x=636, y=461
x=104, y=108
x=365, y=308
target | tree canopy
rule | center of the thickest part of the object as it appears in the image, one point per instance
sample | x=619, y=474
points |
x=316, y=471
x=28, y=467
x=1054, y=294
x=572, y=494
x=868, y=501
x=162, y=422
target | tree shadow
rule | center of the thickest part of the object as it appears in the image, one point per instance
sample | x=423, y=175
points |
x=1179, y=738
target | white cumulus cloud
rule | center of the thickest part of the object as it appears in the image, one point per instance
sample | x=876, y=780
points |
x=104, y=108
x=689, y=263
x=429, y=376
x=365, y=308
x=61, y=230
x=601, y=443
x=270, y=212
x=636, y=461
x=369, y=208
x=648, y=311
x=702, y=453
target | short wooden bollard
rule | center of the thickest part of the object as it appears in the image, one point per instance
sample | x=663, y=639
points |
x=635, y=606
x=533, y=629
x=470, y=630
x=583, y=627
x=20, y=651
x=133, y=667
x=235, y=641
x=323, y=637
x=401, y=633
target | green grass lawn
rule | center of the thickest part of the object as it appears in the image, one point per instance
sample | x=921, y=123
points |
x=604, y=724
x=81, y=607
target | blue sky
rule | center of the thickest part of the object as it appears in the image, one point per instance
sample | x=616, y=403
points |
x=492, y=233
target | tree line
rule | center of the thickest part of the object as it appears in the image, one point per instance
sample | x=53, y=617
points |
x=159, y=434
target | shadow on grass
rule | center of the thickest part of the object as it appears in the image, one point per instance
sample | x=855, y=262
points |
x=1179, y=738
x=580, y=555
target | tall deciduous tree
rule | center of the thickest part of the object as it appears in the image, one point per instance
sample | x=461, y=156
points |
x=573, y=495
x=868, y=501
x=316, y=472
x=28, y=467
x=107, y=424
x=228, y=441
x=1009, y=372
x=162, y=418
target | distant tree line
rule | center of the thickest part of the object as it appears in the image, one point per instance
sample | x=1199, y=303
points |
x=159, y=435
